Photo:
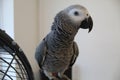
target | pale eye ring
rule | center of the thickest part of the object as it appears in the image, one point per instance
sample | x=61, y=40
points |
x=76, y=13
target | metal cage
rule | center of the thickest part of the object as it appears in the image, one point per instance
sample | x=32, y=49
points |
x=13, y=62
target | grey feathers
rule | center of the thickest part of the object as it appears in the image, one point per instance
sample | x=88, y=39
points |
x=58, y=51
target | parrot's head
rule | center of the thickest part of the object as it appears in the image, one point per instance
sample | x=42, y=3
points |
x=74, y=17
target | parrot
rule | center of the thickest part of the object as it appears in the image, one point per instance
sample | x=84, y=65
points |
x=58, y=51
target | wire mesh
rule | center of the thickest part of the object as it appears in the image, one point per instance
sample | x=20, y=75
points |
x=13, y=63
x=11, y=68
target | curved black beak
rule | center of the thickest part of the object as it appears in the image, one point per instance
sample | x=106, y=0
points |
x=87, y=24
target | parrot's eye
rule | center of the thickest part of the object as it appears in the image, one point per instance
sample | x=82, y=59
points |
x=76, y=13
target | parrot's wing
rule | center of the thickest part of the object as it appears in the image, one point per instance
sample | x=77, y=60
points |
x=41, y=52
x=75, y=54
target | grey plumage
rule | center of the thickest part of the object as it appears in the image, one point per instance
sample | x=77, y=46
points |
x=58, y=50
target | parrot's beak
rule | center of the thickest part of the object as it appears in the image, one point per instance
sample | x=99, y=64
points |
x=87, y=24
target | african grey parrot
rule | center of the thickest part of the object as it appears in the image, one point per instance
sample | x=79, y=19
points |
x=58, y=50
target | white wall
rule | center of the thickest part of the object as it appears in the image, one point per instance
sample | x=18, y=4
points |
x=26, y=29
x=6, y=16
x=1, y=15
x=99, y=57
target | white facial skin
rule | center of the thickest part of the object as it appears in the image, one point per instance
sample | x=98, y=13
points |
x=77, y=14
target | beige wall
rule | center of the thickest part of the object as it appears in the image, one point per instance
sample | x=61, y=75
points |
x=26, y=29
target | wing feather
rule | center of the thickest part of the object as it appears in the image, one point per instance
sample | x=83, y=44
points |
x=41, y=52
x=75, y=52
